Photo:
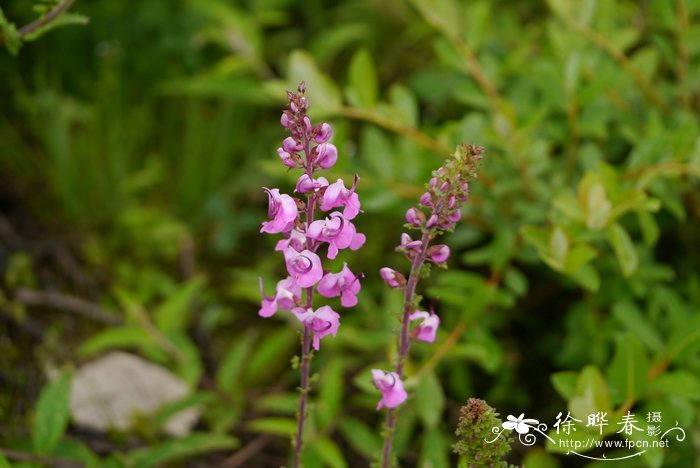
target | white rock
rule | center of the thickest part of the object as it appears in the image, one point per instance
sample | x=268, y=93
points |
x=108, y=392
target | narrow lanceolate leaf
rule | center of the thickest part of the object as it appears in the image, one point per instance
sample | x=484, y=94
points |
x=52, y=414
x=624, y=249
x=178, y=449
x=430, y=400
x=628, y=371
x=363, y=81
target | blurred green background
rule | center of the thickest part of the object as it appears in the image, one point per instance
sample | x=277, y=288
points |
x=133, y=150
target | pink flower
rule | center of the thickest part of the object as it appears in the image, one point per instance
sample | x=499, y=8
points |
x=322, y=322
x=392, y=277
x=304, y=267
x=323, y=133
x=409, y=244
x=326, y=155
x=439, y=253
x=432, y=221
x=337, y=195
x=286, y=294
x=427, y=328
x=415, y=217
x=283, y=209
x=344, y=284
x=290, y=145
x=296, y=241
x=389, y=383
x=426, y=199
x=307, y=184
x=338, y=231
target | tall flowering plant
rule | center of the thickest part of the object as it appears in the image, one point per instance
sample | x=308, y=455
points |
x=304, y=237
x=438, y=210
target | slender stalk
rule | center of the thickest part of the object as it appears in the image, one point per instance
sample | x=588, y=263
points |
x=304, y=387
x=404, y=340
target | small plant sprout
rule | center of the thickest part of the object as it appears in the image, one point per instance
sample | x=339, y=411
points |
x=308, y=149
x=437, y=212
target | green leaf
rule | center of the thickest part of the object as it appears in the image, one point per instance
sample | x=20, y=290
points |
x=330, y=395
x=434, y=449
x=9, y=34
x=363, y=81
x=271, y=354
x=124, y=337
x=189, y=362
x=430, y=400
x=677, y=384
x=3, y=462
x=558, y=248
x=65, y=19
x=565, y=383
x=52, y=414
x=321, y=90
x=405, y=103
x=178, y=449
x=360, y=437
x=628, y=370
x=277, y=426
x=234, y=362
x=592, y=394
x=579, y=256
x=624, y=249
x=631, y=318
x=593, y=198
x=174, y=314
x=329, y=452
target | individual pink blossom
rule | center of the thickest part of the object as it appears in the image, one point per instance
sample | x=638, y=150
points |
x=322, y=133
x=307, y=184
x=286, y=295
x=326, y=154
x=338, y=231
x=432, y=221
x=290, y=145
x=389, y=383
x=426, y=200
x=409, y=244
x=322, y=322
x=296, y=241
x=337, y=195
x=439, y=253
x=392, y=277
x=304, y=267
x=344, y=284
x=415, y=217
x=283, y=209
x=427, y=328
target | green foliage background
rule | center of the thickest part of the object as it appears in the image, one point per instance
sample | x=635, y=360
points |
x=132, y=155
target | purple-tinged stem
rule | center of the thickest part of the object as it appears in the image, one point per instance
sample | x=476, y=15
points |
x=305, y=364
x=404, y=340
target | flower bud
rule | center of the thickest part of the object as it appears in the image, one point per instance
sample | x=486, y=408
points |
x=286, y=158
x=445, y=186
x=426, y=199
x=286, y=120
x=290, y=145
x=432, y=221
x=455, y=216
x=323, y=133
x=326, y=155
x=433, y=183
x=415, y=217
x=392, y=277
x=307, y=123
x=439, y=253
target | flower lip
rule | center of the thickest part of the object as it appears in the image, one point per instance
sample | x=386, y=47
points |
x=332, y=231
x=302, y=264
x=273, y=206
x=318, y=325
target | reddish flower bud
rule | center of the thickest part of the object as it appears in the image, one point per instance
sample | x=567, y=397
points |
x=415, y=217
x=392, y=277
x=439, y=253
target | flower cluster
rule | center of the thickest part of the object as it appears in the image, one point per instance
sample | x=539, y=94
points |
x=438, y=211
x=308, y=148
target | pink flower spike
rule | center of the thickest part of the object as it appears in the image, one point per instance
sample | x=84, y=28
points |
x=439, y=253
x=392, y=277
x=286, y=294
x=344, y=284
x=283, y=209
x=389, y=383
x=323, y=133
x=322, y=322
x=326, y=155
x=304, y=267
x=427, y=328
